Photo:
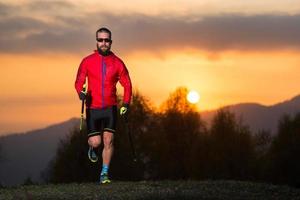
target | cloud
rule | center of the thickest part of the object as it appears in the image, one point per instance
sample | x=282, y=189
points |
x=214, y=33
x=74, y=31
x=50, y=5
x=5, y=9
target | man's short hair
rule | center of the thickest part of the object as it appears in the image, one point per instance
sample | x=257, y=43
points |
x=103, y=29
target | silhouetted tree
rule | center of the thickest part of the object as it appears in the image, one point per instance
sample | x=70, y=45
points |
x=284, y=163
x=231, y=150
x=1, y=160
x=177, y=102
x=170, y=144
x=181, y=127
x=1, y=156
x=262, y=143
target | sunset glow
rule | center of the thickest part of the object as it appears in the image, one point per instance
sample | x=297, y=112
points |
x=233, y=52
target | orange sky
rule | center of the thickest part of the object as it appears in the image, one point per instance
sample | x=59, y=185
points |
x=227, y=58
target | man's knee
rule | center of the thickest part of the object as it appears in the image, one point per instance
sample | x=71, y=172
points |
x=108, y=139
x=94, y=141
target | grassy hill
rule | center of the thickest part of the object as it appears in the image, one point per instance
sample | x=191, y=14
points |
x=146, y=190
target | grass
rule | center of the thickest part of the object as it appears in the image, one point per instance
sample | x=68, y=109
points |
x=147, y=190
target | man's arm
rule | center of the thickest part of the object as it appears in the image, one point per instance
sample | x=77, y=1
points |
x=80, y=78
x=125, y=81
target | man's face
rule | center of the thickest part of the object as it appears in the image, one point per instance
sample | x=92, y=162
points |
x=103, y=42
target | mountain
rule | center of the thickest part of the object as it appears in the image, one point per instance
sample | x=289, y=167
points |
x=27, y=154
x=259, y=117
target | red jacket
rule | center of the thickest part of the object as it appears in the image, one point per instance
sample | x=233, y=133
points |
x=103, y=73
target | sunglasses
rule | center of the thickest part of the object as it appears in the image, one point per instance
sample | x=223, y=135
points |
x=103, y=39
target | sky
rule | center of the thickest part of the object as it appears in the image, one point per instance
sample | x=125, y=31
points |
x=230, y=51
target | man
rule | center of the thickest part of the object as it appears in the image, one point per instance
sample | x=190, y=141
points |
x=103, y=69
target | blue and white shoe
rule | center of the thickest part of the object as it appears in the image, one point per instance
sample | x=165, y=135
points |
x=92, y=155
x=104, y=179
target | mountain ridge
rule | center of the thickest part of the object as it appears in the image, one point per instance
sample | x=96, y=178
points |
x=257, y=116
x=32, y=150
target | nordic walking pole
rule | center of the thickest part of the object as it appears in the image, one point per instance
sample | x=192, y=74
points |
x=130, y=138
x=82, y=108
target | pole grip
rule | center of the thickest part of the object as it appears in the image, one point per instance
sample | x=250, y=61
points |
x=82, y=108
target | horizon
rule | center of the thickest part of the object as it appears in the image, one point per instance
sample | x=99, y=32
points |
x=230, y=53
x=3, y=134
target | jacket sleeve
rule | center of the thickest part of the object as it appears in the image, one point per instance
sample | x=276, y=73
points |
x=125, y=81
x=81, y=75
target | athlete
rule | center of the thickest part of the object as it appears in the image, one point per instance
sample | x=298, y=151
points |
x=102, y=69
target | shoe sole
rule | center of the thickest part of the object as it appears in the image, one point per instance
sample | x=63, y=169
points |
x=105, y=182
x=91, y=159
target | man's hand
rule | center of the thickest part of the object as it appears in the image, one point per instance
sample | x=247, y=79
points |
x=124, y=109
x=82, y=96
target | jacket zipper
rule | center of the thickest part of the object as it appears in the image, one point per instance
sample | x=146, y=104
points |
x=103, y=78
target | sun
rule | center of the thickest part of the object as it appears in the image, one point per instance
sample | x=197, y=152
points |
x=193, y=96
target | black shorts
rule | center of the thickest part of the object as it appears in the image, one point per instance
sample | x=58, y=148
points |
x=100, y=120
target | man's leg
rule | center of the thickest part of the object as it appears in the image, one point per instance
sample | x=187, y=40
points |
x=106, y=155
x=108, y=147
x=93, y=131
x=94, y=142
x=108, y=137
